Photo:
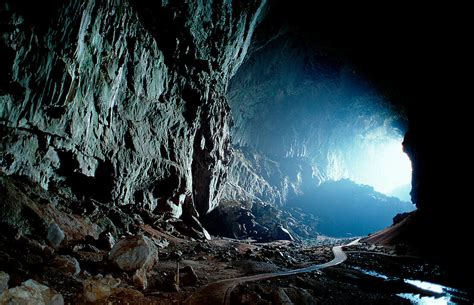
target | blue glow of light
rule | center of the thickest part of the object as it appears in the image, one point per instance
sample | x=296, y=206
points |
x=383, y=165
x=419, y=300
x=425, y=285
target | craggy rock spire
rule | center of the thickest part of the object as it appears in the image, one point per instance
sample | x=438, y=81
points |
x=122, y=101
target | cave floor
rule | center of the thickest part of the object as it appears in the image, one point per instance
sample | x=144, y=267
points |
x=370, y=275
x=65, y=245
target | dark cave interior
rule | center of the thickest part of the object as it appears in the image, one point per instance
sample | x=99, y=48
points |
x=242, y=141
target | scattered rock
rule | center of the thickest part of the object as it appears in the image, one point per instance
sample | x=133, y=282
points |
x=251, y=298
x=134, y=253
x=280, y=297
x=170, y=283
x=85, y=247
x=191, y=227
x=161, y=243
x=176, y=255
x=127, y=296
x=38, y=247
x=31, y=292
x=187, y=276
x=300, y=296
x=100, y=288
x=66, y=264
x=140, y=279
x=106, y=240
x=138, y=220
x=203, y=247
x=89, y=256
x=4, y=278
x=55, y=235
x=282, y=234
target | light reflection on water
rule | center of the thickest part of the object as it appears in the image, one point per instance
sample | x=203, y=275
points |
x=446, y=294
x=426, y=285
x=419, y=300
x=371, y=272
x=436, y=288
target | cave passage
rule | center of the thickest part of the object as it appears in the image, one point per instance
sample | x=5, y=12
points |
x=367, y=175
x=378, y=160
x=320, y=136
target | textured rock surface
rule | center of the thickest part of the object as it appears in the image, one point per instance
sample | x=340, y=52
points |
x=122, y=101
x=282, y=234
x=260, y=221
x=253, y=175
x=31, y=293
x=4, y=279
x=99, y=289
x=55, y=235
x=134, y=253
x=66, y=264
x=30, y=210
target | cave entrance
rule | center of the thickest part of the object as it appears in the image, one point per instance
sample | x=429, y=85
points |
x=312, y=132
x=388, y=169
x=379, y=161
x=368, y=182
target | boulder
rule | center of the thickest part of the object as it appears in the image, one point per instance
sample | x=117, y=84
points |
x=282, y=233
x=31, y=292
x=97, y=289
x=133, y=253
x=66, y=264
x=106, y=240
x=187, y=276
x=55, y=235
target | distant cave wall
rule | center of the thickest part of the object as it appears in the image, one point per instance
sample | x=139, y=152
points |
x=254, y=176
x=297, y=101
x=120, y=100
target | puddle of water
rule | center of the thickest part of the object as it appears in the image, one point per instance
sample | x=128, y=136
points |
x=426, y=285
x=370, y=272
x=419, y=300
x=448, y=295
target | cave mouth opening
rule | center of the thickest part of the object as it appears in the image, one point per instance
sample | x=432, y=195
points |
x=368, y=180
x=315, y=133
x=378, y=160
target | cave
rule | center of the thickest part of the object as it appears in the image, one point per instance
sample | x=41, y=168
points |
x=234, y=152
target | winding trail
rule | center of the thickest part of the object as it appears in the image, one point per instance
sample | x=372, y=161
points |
x=219, y=292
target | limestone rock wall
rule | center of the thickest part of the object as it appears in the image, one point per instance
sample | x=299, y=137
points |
x=121, y=100
x=252, y=176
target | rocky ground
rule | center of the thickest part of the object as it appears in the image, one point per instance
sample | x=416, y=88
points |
x=52, y=252
x=352, y=282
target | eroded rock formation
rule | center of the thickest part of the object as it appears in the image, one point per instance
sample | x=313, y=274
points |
x=122, y=101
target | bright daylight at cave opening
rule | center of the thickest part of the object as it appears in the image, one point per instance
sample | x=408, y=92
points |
x=386, y=167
